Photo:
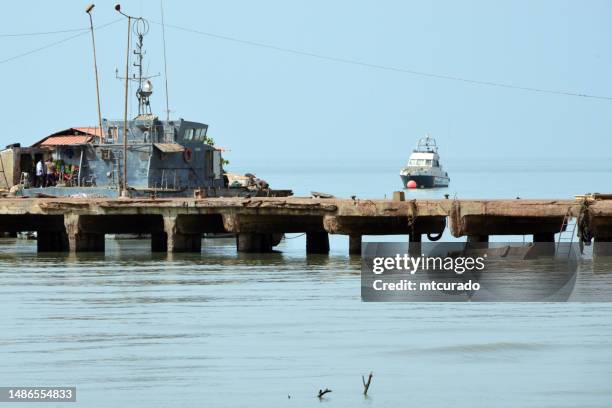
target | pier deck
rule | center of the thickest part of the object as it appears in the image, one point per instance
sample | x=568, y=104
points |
x=175, y=225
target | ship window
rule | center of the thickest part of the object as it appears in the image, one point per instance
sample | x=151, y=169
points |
x=421, y=162
x=428, y=162
x=112, y=132
x=200, y=134
x=188, y=134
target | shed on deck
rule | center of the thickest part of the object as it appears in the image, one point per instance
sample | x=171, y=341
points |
x=71, y=136
x=15, y=159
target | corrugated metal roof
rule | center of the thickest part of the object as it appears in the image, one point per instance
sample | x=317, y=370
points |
x=67, y=134
x=90, y=130
x=65, y=140
x=169, y=147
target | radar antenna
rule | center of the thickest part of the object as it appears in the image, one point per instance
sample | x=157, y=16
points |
x=145, y=86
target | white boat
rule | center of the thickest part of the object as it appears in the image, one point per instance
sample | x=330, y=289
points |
x=424, y=169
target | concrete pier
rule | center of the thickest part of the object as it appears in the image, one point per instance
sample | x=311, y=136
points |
x=177, y=225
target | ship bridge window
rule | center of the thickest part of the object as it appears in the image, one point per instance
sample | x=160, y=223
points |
x=200, y=134
x=188, y=135
x=428, y=162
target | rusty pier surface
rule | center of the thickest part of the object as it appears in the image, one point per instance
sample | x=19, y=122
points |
x=177, y=225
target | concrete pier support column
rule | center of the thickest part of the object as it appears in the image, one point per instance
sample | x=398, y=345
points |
x=254, y=242
x=317, y=242
x=415, y=246
x=354, y=244
x=602, y=246
x=52, y=241
x=546, y=244
x=176, y=241
x=477, y=242
x=80, y=240
x=159, y=242
x=544, y=237
x=478, y=238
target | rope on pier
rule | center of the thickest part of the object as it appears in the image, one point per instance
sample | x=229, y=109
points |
x=297, y=236
x=434, y=237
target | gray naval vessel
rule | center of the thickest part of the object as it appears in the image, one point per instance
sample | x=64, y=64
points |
x=141, y=157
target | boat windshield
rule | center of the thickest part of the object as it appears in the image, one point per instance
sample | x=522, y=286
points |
x=423, y=162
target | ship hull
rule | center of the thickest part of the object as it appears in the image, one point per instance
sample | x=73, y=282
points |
x=425, y=181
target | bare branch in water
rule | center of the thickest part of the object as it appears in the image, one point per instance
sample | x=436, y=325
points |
x=323, y=392
x=366, y=385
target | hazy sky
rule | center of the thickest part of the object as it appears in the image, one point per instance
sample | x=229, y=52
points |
x=268, y=105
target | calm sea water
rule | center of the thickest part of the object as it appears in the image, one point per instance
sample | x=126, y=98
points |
x=221, y=329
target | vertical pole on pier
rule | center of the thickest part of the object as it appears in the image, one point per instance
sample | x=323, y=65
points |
x=124, y=193
x=93, y=41
x=124, y=186
x=354, y=244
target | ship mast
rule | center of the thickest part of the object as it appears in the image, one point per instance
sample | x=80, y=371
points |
x=145, y=87
x=140, y=28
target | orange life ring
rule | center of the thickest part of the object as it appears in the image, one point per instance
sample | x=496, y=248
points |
x=187, y=154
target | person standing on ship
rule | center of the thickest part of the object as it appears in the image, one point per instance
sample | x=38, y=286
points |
x=49, y=172
x=40, y=173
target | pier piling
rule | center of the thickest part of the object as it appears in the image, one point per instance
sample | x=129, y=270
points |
x=177, y=239
x=414, y=245
x=602, y=246
x=354, y=244
x=254, y=242
x=317, y=242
